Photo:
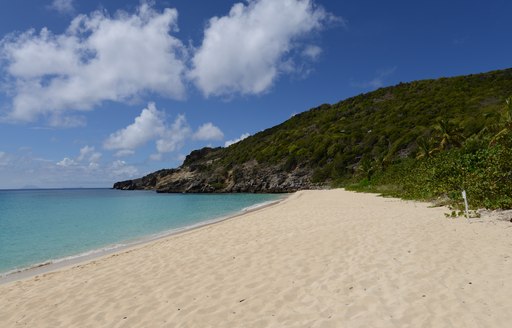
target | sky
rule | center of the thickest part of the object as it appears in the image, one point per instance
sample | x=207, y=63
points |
x=93, y=92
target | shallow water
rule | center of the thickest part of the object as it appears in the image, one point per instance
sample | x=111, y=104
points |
x=38, y=226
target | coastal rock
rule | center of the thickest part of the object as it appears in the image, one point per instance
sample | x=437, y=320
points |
x=147, y=182
x=201, y=172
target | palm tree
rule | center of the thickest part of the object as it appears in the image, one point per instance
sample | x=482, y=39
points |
x=505, y=121
x=448, y=135
x=424, y=147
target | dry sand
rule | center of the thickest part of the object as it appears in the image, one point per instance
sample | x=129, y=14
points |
x=318, y=259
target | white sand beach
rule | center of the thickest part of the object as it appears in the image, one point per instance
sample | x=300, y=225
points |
x=327, y=258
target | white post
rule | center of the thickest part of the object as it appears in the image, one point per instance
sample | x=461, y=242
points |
x=465, y=202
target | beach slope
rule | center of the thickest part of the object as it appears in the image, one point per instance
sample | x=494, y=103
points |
x=318, y=259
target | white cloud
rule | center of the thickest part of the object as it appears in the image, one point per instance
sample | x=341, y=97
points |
x=230, y=142
x=94, y=158
x=98, y=58
x=126, y=56
x=208, y=131
x=63, y=6
x=147, y=126
x=242, y=52
x=88, y=165
x=124, y=153
x=88, y=154
x=152, y=125
x=85, y=152
x=67, y=121
x=312, y=52
x=121, y=169
x=87, y=160
x=175, y=136
x=66, y=162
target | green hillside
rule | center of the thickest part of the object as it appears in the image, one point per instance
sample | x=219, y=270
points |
x=386, y=141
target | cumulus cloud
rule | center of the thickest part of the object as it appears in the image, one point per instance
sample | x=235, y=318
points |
x=88, y=163
x=249, y=45
x=208, y=131
x=88, y=153
x=88, y=158
x=66, y=162
x=174, y=137
x=85, y=152
x=87, y=168
x=126, y=56
x=93, y=169
x=152, y=125
x=120, y=168
x=98, y=58
x=148, y=125
x=63, y=6
x=230, y=142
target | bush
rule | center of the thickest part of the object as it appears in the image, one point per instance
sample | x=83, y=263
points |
x=485, y=173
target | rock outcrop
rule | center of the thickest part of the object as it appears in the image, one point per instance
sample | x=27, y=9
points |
x=201, y=173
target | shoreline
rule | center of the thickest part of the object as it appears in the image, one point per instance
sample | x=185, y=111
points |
x=53, y=265
x=322, y=258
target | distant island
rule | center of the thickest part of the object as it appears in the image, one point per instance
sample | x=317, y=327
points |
x=425, y=140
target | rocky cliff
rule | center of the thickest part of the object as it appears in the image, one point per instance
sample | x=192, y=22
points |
x=201, y=173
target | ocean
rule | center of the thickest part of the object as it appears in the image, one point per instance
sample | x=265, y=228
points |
x=51, y=225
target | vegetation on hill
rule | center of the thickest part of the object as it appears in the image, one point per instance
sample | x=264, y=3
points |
x=481, y=164
x=423, y=140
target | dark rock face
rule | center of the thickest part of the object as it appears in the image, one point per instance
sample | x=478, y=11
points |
x=200, y=174
x=125, y=185
x=240, y=181
x=147, y=182
x=198, y=155
x=268, y=180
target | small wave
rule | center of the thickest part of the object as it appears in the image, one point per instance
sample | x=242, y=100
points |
x=259, y=205
x=71, y=258
x=92, y=252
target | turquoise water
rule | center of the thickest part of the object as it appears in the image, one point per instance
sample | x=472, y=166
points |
x=38, y=226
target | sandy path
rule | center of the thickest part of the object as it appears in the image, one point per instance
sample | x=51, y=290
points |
x=318, y=259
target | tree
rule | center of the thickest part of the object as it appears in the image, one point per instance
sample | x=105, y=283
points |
x=424, y=147
x=505, y=121
x=446, y=135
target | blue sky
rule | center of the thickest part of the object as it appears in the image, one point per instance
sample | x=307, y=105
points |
x=98, y=91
